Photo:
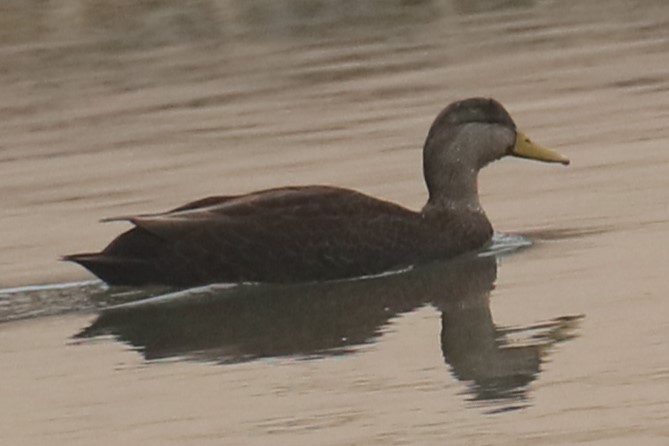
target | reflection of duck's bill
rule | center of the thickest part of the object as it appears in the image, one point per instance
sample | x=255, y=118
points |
x=524, y=148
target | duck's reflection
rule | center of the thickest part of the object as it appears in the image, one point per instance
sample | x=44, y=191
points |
x=247, y=322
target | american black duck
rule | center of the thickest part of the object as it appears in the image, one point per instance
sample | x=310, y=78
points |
x=315, y=233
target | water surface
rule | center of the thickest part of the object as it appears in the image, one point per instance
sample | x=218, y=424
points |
x=126, y=107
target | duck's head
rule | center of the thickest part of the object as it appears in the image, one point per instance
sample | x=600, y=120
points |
x=466, y=136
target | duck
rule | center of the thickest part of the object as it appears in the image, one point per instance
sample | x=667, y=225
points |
x=322, y=233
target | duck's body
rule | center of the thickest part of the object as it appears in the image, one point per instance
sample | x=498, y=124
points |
x=317, y=232
x=282, y=235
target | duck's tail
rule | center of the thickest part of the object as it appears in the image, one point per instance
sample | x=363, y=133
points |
x=130, y=259
x=115, y=270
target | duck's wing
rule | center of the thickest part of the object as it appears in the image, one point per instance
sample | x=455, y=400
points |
x=206, y=202
x=277, y=235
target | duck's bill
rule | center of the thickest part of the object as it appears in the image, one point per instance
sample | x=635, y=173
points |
x=524, y=148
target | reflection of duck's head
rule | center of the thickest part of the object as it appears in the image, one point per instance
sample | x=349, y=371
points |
x=465, y=137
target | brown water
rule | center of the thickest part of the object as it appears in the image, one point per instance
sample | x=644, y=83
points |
x=113, y=107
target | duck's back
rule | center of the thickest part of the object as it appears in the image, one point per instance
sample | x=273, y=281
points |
x=278, y=235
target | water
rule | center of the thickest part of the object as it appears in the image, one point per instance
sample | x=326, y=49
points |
x=117, y=108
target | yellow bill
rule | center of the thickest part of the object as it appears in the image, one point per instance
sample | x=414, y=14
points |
x=524, y=148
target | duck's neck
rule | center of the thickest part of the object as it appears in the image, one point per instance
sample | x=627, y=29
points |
x=456, y=189
x=451, y=163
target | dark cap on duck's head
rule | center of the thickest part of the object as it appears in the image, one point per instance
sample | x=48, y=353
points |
x=483, y=110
